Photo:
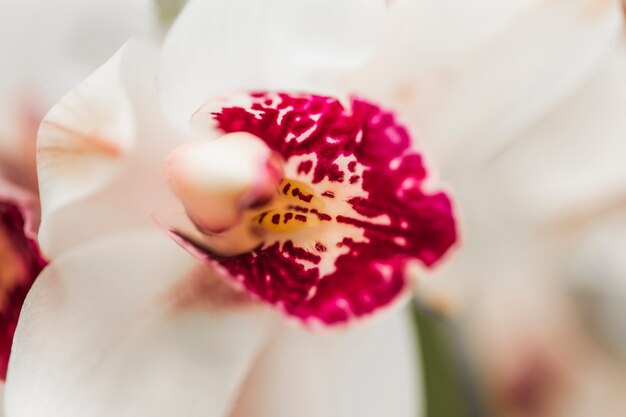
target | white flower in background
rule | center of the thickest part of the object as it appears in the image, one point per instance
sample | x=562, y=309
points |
x=312, y=202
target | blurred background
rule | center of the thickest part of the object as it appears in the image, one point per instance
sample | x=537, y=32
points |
x=521, y=107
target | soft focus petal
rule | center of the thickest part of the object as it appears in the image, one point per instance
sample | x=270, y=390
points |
x=226, y=46
x=469, y=108
x=85, y=138
x=424, y=37
x=525, y=345
x=47, y=47
x=103, y=334
x=101, y=151
x=573, y=163
x=370, y=371
x=524, y=72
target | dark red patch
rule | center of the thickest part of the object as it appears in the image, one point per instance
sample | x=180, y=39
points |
x=305, y=167
x=301, y=196
x=262, y=217
x=29, y=261
x=371, y=275
x=322, y=216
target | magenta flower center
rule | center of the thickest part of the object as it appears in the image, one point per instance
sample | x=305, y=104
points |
x=349, y=215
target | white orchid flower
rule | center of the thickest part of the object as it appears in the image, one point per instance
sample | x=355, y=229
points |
x=292, y=195
x=463, y=101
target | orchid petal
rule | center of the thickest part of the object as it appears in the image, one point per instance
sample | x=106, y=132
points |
x=227, y=46
x=101, y=151
x=571, y=164
x=531, y=67
x=84, y=139
x=471, y=107
x=369, y=371
x=101, y=338
x=46, y=47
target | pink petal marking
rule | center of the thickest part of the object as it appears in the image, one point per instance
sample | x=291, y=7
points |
x=378, y=217
x=20, y=261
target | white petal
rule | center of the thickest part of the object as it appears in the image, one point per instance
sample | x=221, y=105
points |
x=225, y=46
x=421, y=37
x=47, y=47
x=573, y=163
x=470, y=107
x=92, y=187
x=528, y=70
x=367, y=372
x=84, y=139
x=100, y=335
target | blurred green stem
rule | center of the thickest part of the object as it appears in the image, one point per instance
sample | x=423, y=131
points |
x=448, y=388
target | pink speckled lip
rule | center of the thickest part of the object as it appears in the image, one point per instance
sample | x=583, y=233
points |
x=376, y=215
x=20, y=263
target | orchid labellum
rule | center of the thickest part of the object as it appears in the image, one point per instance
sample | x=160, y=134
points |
x=290, y=192
x=331, y=216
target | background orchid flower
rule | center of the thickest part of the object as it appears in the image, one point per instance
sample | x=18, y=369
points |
x=123, y=322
